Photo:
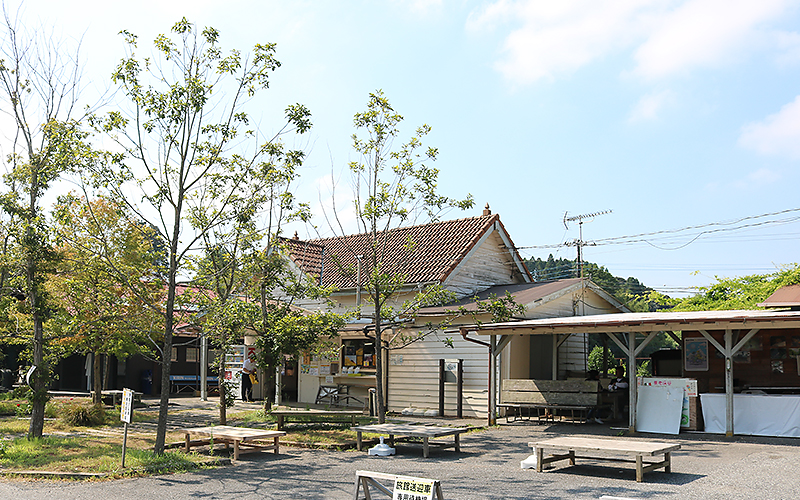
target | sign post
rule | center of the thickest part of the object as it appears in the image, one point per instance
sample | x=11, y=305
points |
x=126, y=416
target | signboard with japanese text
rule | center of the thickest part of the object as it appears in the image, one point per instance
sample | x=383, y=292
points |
x=412, y=488
x=126, y=410
x=687, y=385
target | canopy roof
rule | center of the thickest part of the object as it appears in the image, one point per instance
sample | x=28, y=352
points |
x=645, y=322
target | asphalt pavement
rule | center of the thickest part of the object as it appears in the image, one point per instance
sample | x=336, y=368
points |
x=488, y=467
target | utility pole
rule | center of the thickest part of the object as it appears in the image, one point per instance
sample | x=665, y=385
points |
x=579, y=242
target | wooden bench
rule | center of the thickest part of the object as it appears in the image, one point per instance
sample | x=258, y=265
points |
x=179, y=383
x=426, y=488
x=114, y=397
x=426, y=432
x=544, y=399
x=599, y=448
x=250, y=439
x=283, y=415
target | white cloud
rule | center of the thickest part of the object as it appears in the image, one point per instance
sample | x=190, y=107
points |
x=650, y=105
x=557, y=37
x=702, y=33
x=788, y=44
x=777, y=134
x=554, y=38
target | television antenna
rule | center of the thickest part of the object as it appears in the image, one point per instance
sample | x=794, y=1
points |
x=579, y=243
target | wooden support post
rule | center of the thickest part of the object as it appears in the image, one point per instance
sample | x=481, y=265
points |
x=632, y=381
x=441, y=388
x=492, y=382
x=728, y=383
x=460, y=390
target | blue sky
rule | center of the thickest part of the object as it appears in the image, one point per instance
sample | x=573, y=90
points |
x=671, y=113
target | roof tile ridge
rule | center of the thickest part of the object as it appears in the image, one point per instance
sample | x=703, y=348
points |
x=403, y=228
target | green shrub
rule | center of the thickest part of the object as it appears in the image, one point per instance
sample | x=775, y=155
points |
x=82, y=414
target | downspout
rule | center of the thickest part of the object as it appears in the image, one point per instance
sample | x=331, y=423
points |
x=491, y=415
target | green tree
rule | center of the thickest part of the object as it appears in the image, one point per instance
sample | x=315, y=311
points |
x=743, y=292
x=392, y=186
x=188, y=144
x=98, y=313
x=40, y=87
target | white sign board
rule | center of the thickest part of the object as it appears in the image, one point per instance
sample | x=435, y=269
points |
x=688, y=386
x=126, y=410
x=412, y=488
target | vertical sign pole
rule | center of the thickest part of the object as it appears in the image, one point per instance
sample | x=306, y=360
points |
x=124, y=444
x=126, y=415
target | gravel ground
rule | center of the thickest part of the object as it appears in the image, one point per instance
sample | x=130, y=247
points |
x=488, y=467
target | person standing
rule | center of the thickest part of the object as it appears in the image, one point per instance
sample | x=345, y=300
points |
x=248, y=368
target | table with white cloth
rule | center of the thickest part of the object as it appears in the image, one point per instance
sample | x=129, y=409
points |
x=754, y=414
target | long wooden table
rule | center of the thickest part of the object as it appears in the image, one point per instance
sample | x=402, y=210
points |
x=283, y=415
x=240, y=437
x=637, y=449
x=426, y=432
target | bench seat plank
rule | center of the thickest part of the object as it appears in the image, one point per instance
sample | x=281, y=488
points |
x=426, y=432
x=238, y=436
x=626, y=447
x=283, y=415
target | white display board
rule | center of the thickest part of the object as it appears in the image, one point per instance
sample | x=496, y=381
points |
x=659, y=408
x=689, y=386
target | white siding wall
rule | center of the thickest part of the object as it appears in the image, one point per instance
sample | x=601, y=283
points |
x=489, y=264
x=414, y=381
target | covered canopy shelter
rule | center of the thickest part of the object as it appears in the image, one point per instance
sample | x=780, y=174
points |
x=738, y=327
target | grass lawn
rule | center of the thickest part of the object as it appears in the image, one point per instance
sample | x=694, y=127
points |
x=70, y=448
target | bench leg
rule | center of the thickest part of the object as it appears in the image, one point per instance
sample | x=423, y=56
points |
x=539, y=458
x=571, y=457
x=425, y=447
x=639, y=472
x=458, y=442
x=277, y=444
x=358, y=440
x=188, y=446
x=236, y=449
x=280, y=422
x=668, y=461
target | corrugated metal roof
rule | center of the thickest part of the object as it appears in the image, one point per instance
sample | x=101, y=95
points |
x=788, y=296
x=647, y=322
x=524, y=293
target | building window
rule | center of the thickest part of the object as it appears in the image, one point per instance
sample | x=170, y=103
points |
x=358, y=353
x=174, y=354
x=191, y=354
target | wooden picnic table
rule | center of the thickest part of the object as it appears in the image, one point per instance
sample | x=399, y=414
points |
x=426, y=432
x=283, y=415
x=240, y=437
x=599, y=448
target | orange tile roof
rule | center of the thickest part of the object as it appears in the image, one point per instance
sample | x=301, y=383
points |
x=426, y=253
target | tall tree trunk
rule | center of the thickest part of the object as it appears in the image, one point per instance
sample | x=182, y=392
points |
x=97, y=379
x=107, y=373
x=223, y=409
x=39, y=378
x=379, y=363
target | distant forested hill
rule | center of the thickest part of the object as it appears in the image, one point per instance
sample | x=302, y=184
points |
x=630, y=291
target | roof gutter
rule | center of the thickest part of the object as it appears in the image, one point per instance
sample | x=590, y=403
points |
x=463, y=331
